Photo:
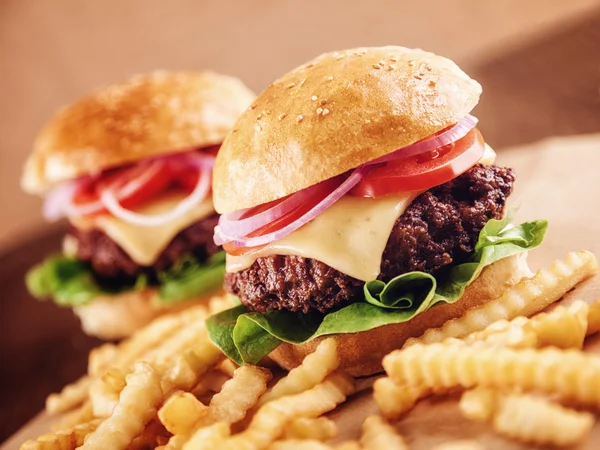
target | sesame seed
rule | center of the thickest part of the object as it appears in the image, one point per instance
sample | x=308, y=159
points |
x=314, y=98
x=411, y=63
x=309, y=65
x=251, y=107
x=290, y=85
x=432, y=83
x=418, y=77
x=258, y=116
x=319, y=110
x=330, y=78
x=393, y=59
x=302, y=83
x=322, y=102
x=257, y=127
x=325, y=111
x=376, y=66
x=234, y=131
x=281, y=116
x=382, y=62
x=391, y=67
x=299, y=118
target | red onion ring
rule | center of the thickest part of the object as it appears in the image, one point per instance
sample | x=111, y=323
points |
x=452, y=134
x=231, y=225
x=204, y=164
x=221, y=238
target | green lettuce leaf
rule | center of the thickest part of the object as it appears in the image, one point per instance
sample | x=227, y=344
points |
x=247, y=337
x=70, y=282
x=189, y=278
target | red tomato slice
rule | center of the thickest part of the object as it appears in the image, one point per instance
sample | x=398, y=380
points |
x=133, y=186
x=320, y=191
x=422, y=172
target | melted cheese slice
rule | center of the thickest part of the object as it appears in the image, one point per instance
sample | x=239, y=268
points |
x=145, y=244
x=349, y=236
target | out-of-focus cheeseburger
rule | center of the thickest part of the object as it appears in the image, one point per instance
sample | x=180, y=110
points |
x=359, y=200
x=130, y=167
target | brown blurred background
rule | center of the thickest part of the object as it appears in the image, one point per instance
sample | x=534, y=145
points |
x=538, y=61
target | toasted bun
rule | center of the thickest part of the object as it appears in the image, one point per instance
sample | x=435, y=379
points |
x=361, y=353
x=119, y=316
x=147, y=115
x=336, y=112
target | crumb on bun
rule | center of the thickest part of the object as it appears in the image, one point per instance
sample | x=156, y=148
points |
x=147, y=115
x=333, y=114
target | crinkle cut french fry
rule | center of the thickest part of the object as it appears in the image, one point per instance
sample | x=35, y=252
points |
x=100, y=359
x=465, y=444
x=186, y=370
x=228, y=367
x=208, y=438
x=478, y=404
x=67, y=439
x=527, y=297
x=269, y=421
x=137, y=405
x=538, y=420
x=239, y=394
x=70, y=397
x=321, y=429
x=143, y=342
x=394, y=400
x=562, y=327
x=378, y=434
x=594, y=318
x=181, y=412
x=299, y=444
x=313, y=370
x=572, y=374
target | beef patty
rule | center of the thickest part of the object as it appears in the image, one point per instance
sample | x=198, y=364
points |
x=440, y=227
x=112, y=265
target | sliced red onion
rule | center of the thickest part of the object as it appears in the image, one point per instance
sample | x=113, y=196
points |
x=204, y=163
x=232, y=225
x=222, y=238
x=57, y=199
x=453, y=134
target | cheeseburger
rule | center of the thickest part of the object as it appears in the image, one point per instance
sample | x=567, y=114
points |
x=130, y=167
x=358, y=199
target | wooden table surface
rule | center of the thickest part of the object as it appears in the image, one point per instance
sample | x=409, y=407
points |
x=545, y=88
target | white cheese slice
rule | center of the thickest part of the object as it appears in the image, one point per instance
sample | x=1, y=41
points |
x=145, y=244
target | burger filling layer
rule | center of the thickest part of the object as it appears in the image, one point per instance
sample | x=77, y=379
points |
x=439, y=228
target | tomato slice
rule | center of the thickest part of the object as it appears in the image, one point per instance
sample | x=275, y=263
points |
x=422, y=172
x=133, y=186
x=319, y=192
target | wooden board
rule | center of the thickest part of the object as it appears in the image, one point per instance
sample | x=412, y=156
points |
x=557, y=180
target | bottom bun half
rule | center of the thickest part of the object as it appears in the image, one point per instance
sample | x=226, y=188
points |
x=361, y=353
x=113, y=317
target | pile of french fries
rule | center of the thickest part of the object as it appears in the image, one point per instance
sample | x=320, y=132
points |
x=168, y=387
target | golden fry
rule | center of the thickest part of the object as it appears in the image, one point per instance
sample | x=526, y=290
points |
x=394, y=400
x=71, y=396
x=208, y=438
x=227, y=366
x=378, y=434
x=239, y=394
x=268, y=423
x=82, y=414
x=538, y=420
x=478, y=404
x=181, y=412
x=100, y=359
x=137, y=405
x=299, y=444
x=68, y=439
x=572, y=374
x=594, y=318
x=527, y=297
x=321, y=429
x=466, y=444
x=313, y=370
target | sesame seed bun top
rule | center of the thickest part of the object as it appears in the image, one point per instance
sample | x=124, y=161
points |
x=333, y=114
x=147, y=115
